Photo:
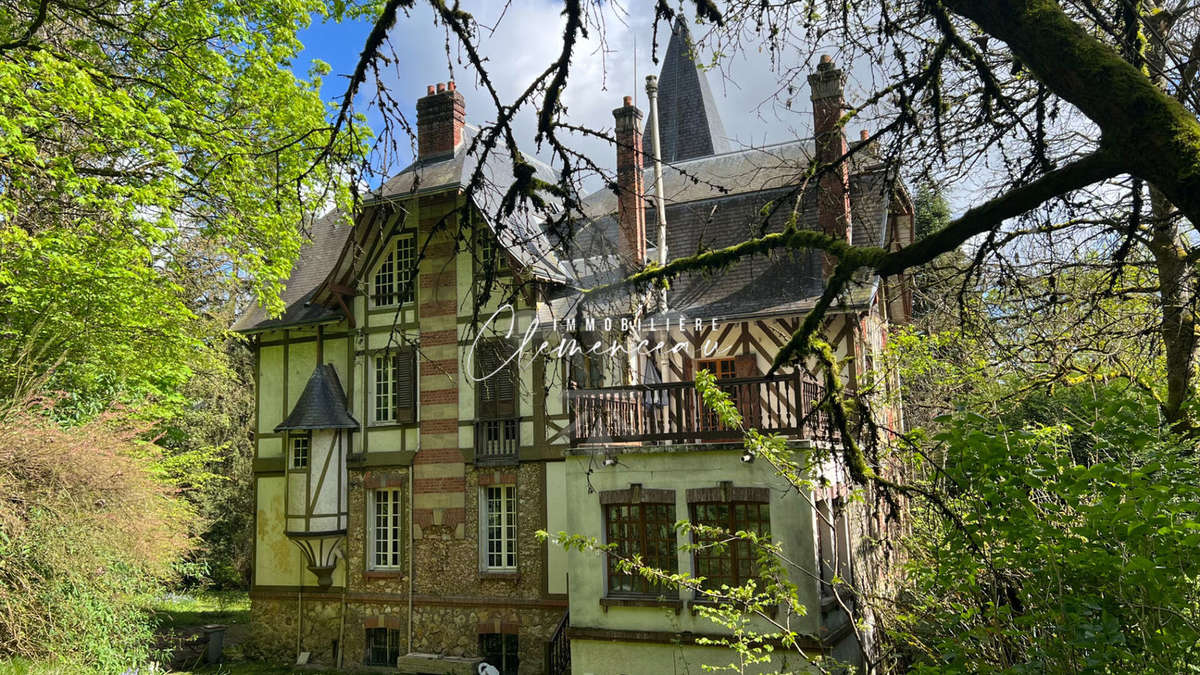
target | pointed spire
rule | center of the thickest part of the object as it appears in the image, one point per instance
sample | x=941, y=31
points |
x=691, y=126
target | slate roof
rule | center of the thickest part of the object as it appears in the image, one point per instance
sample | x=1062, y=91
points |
x=328, y=235
x=521, y=232
x=691, y=126
x=715, y=197
x=322, y=405
x=714, y=202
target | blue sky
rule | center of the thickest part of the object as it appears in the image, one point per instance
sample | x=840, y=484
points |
x=525, y=41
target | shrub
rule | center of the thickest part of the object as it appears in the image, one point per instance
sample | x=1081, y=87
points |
x=89, y=530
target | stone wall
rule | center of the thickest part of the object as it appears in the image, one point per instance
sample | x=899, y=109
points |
x=454, y=602
x=273, y=629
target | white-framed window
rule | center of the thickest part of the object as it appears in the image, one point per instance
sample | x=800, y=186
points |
x=384, y=526
x=299, y=446
x=394, y=394
x=394, y=277
x=385, y=388
x=498, y=522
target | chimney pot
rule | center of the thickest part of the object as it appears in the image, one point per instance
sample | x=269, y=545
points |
x=628, y=100
x=450, y=85
x=441, y=114
x=864, y=134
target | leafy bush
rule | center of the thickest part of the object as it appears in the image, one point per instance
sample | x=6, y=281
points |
x=89, y=530
x=1068, y=542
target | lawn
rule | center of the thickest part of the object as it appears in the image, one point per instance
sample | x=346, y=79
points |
x=180, y=618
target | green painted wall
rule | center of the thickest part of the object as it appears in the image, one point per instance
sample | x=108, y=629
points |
x=625, y=658
x=792, y=522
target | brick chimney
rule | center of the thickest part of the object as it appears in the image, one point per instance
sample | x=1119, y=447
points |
x=631, y=192
x=833, y=195
x=440, y=116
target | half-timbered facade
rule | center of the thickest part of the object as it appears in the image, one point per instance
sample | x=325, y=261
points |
x=404, y=461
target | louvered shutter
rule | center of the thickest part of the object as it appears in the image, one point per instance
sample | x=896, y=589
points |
x=497, y=394
x=404, y=365
x=748, y=396
x=745, y=365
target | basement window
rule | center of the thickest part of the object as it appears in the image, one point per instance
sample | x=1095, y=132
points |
x=499, y=650
x=383, y=647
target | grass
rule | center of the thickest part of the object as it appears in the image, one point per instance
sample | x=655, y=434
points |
x=184, y=612
x=246, y=668
x=201, y=608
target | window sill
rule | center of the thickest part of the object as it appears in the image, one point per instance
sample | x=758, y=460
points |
x=694, y=606
x=388, y=424
x=383, y=574
x=500, y=575
x=647, y=601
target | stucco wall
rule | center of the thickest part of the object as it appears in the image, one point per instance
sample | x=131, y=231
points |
x=791, y=525
x=589, y=657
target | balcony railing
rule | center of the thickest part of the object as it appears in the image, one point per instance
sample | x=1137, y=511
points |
x=786, y=404
x=497, y=441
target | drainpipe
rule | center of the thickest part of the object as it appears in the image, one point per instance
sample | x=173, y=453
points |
x=660, y=206
x=412, y=540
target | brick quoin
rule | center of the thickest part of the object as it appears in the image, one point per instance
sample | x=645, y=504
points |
x=440, y=250
x=440, y=308
x=448, y=426
x=437, y=280
x=433, y=338
x=439, y=366
x=438, y=456
x=434, y=485
x=439, y=396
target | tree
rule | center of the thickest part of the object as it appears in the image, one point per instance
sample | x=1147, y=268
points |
x=130, y=131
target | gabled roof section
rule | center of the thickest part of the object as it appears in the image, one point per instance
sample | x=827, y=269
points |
x=520, y=232
x=328, y=235
x=720, y=200
x=333, y=256
x=322, y=405
x=691, y=126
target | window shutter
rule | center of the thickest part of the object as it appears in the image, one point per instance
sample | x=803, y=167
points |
x=404, y=365
x=506, y=391
x=496, y=395
x=745, y=365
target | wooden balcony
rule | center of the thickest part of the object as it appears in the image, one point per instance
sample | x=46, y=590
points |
x=673, y=411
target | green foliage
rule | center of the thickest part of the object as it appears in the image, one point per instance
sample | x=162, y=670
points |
x=89, y=531
x=931, y=210
x=1070, y=541
x=130, y=132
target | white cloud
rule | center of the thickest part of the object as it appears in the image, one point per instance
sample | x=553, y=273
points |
x=527, y=39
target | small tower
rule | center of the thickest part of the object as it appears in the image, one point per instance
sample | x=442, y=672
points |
x=318, y=438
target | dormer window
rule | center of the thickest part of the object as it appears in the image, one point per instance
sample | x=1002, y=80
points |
x=491, y=257
x=394, y=278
